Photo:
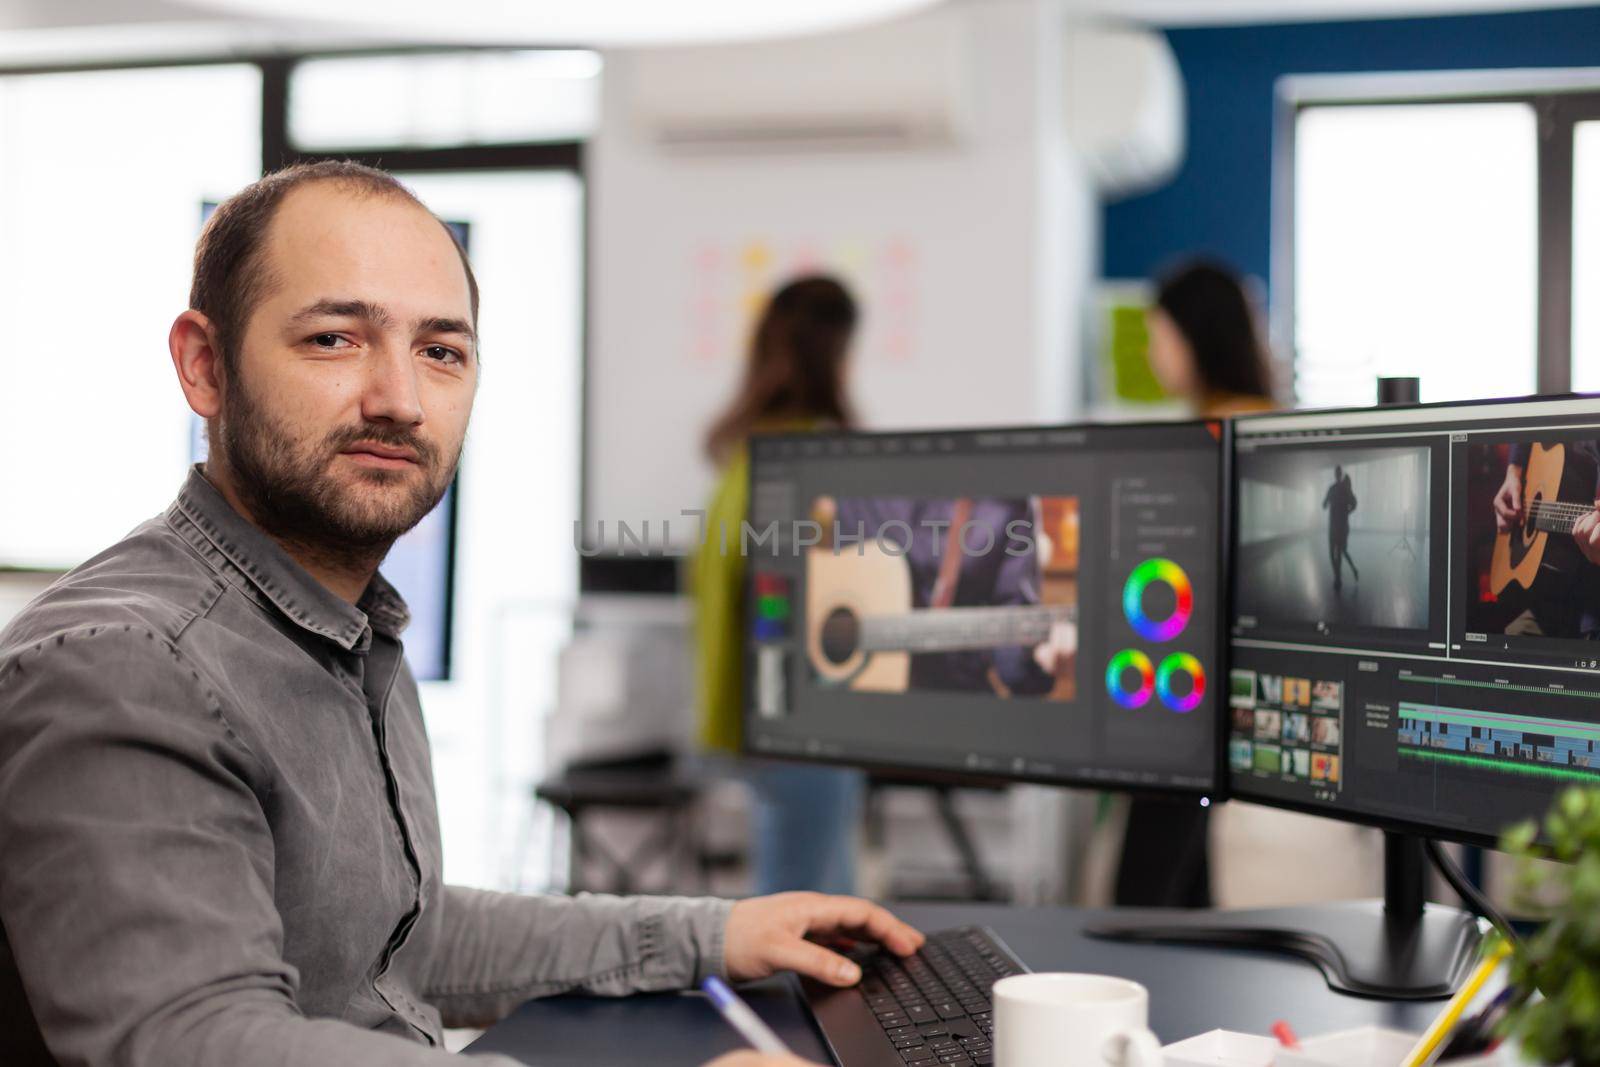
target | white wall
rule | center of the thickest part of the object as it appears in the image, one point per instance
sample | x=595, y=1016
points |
x=971, y=256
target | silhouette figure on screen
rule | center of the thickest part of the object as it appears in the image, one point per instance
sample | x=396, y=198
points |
x=1339, y=501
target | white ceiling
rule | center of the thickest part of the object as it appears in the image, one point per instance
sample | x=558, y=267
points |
x=67, y=31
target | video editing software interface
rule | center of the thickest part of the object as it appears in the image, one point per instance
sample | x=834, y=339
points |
x=1039, y=604
x=1415, y=601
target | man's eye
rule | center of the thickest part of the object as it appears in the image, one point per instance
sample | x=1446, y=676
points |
x=442, y=354
x=326, y=340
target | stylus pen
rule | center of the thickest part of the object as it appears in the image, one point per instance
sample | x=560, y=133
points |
x=742, y=1018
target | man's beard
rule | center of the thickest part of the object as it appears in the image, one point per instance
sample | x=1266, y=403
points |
x=293, y=495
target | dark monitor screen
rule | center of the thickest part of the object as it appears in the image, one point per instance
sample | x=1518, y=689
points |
x=1398, y=654
x=1025, y=604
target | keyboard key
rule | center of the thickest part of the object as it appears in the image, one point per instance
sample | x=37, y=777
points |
x=909, y=1042
x=889, y=1022
x=926, y=1061
x=948, y=1010
x=974, y=1042
x=955, y=1057
x=943, y=1044
x=984, y=1058
x=920, y=1052
x=934, y=1030
x=921, y=1013
x=901, y=1031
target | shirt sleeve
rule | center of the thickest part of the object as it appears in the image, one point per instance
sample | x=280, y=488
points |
x=496, y=950
x=136, y=893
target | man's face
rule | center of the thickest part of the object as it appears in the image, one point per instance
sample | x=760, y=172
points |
x=343, y=421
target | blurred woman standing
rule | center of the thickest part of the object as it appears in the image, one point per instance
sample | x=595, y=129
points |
x=805, y=816
x=1205, y=348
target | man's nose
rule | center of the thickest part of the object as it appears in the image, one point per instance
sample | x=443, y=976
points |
x=390, y=393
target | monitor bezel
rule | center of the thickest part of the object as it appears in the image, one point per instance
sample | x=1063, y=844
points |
x=1388, y=824
x=955, y=776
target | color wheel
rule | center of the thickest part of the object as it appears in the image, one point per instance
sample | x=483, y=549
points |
x=1157, y=570
x=1181, y=661
x=1124, y=661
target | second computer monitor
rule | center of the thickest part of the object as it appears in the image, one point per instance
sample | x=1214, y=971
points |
x=1035, y=604
x=1416, y=599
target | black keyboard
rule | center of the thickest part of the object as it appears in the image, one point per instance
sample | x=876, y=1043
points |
x=931, y=1009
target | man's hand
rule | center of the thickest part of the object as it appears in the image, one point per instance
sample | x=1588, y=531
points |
x=768, y=934
x=751, y=1058
x=1586, y=532
x=1508, y=501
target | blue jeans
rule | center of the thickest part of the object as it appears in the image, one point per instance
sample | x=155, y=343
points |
x=805, y=823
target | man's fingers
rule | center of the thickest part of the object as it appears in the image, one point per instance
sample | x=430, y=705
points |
x=853, y=913
x=809, y=958
x=751, y=1058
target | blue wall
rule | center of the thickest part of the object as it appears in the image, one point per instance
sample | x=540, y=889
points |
x=1220, y=201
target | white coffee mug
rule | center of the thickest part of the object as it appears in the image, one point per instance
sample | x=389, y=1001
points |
x=1072, y=1020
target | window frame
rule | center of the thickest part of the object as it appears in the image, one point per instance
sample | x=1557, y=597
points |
x=1560, y=99
x=279, y=150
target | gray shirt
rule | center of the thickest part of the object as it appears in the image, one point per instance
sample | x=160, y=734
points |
x=218, y=836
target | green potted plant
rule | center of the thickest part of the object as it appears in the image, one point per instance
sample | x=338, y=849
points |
x=1561, y=962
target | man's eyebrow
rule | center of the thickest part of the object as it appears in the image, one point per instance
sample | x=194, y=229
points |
x=378, y=315
x=348, y=309
x=446, y=325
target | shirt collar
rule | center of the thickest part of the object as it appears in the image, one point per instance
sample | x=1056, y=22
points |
x=284, y=583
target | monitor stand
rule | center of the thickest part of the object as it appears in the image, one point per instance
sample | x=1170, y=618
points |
x=1398, y=948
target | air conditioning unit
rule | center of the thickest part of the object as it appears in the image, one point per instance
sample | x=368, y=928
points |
x=1124, y=106
x=898, y=84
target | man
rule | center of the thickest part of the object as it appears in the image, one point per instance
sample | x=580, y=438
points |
x=1339, y=501
x=219, y=836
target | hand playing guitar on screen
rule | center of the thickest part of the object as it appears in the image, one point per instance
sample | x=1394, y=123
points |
x=1508, y=501
x=1586, y=532
x=1056, y=655
x=1509, y=514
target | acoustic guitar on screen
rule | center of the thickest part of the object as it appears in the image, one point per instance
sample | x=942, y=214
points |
x=1557, y=491
x=862, y=627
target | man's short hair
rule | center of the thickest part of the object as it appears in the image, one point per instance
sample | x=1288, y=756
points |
x=230, y=275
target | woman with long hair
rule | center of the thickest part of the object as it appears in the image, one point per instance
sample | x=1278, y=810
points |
x=794, y=379
x=1205, y=347
x=1205, y=342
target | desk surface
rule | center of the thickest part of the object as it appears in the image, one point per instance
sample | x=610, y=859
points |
x=1192, y=990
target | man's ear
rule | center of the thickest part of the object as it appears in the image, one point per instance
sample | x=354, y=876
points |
x=198, y=362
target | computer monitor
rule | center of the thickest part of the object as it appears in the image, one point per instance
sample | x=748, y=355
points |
x=1398, y=655
x=1037, y=604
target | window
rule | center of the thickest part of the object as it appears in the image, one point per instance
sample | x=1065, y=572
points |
x=1415, y=251
x=1438, y=225
x=1586, y=257
x=452, y=98
x=102, y=179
